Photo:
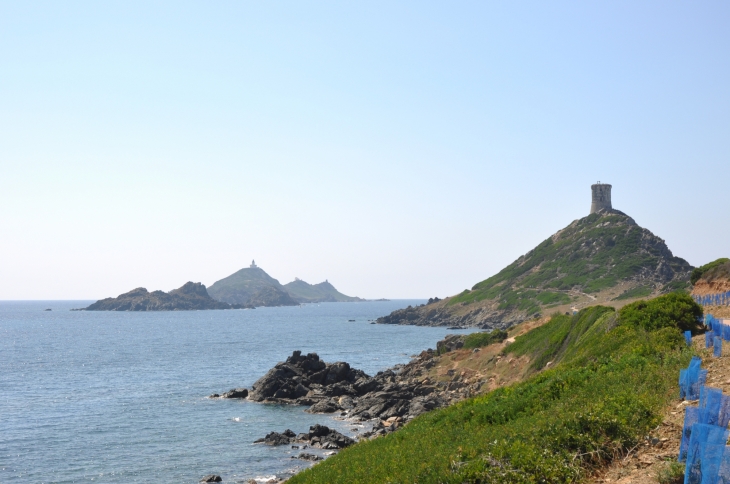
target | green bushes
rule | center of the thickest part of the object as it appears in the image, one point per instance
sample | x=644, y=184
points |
x=604, y=392
x=477, y=340
x=671, y=310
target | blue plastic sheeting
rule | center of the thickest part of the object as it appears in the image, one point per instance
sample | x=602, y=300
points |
x=719, y=299
x=691, y=417
x=701, y=436
x=717, y=347
x=688, y=337
x=710, y=461
x=708, y=339
x=710, y=405
x=691, y=379
x=723, y=476
x=726, y=332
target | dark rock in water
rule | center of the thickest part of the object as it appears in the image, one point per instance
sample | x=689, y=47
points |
x=212, y=478
x=215, y=395
x=49, y=309
x=276, y=438
x=236, y=393
x=191, y=296
x=303, y=376
x=336, y=387
x=306, y=456
x=318, y=436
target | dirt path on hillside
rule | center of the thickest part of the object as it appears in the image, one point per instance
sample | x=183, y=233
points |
x=643, y=464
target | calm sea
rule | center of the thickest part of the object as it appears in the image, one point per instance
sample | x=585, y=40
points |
x=117, y=397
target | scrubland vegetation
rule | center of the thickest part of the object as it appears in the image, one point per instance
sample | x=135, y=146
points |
x=609, y=377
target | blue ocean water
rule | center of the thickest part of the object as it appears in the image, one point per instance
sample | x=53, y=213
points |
x=119, y=397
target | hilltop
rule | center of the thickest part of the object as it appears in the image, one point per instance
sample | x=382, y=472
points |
x=191, y=296
x=251, y=286
x=313, y=293
x=605, y=257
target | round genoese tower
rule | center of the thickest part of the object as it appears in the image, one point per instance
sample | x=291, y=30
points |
x=601, y=198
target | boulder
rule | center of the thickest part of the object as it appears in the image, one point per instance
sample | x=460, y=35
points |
x=307, y=456
x=235, y=393
x=211, y=478
x=276, y=438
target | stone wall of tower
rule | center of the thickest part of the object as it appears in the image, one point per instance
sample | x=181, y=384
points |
x=601, y=197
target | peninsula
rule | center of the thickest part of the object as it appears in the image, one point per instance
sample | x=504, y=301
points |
x=603, y=258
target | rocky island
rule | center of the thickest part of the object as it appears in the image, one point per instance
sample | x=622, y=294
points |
x=253, y=286
x=191, y=296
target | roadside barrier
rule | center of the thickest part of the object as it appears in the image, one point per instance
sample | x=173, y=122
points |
x=719, y=299
x=703, y=446
x=688, y=337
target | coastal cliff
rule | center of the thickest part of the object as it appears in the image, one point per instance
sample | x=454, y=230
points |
x=191, y=296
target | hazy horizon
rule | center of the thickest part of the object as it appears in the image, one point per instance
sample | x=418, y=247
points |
x=400, y=151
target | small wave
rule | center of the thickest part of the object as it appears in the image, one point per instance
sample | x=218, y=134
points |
x=236, y=419
x=265, y=479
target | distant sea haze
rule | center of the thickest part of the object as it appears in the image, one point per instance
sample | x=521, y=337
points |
x=120, y=397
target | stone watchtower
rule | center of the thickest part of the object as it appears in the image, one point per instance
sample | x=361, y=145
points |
x=601, y=198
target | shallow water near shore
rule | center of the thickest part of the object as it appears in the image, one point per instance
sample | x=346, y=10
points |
x=119, y=397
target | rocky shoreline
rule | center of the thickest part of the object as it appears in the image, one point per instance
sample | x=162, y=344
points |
x=376, y=405
x=390, y=398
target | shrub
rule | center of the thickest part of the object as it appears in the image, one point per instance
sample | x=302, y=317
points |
x=671, y=473
x=677, y=310
x=477, y=340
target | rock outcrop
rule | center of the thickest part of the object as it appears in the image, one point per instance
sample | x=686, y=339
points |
x=319, y=436
x=191, y=296
x=402, y=392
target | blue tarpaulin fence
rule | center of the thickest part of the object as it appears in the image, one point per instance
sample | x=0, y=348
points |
x=703, y=446
x=719, y=299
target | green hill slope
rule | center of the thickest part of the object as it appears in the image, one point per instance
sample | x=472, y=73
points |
x=611, y=376
x=251, y=286
x=312, y=293
x=602, y=257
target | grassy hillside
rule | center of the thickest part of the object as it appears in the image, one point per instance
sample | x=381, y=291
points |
x=591, y=254
x=609, y=377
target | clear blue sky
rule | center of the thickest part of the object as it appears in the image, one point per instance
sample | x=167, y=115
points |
x=398, y=149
